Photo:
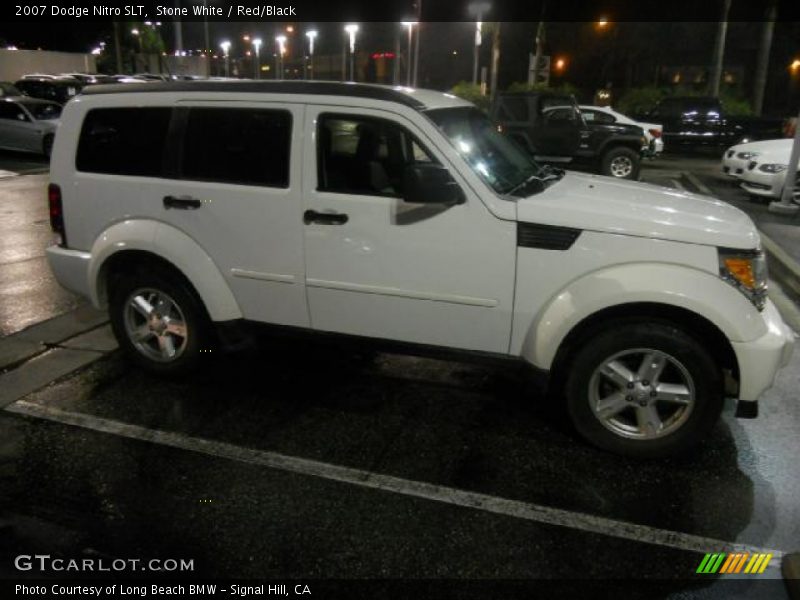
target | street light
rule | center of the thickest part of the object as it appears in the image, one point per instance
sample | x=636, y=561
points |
x=281, y=39
x=602, y=22
x=410, y=25
x=352, y=30
x=226, y=46
x=311, y=35
x=257, y=46
x=478, y=9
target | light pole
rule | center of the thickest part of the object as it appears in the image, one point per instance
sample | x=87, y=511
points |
x=478, y=10
x=281, y=39
x=410, y=25
x=226, y=46
x=352, y=30
x=311, y=35
x=257, y=46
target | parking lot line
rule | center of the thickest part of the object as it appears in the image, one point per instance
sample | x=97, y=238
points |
x=418, y=489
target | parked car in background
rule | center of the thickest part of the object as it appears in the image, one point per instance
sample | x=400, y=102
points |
x=28, y=124
x=551, y=128
x=9, y=89
x=607, y=116
x=702, y=121
x=55, y=90
x=736, y=158
x=766, y=174
x=88, y=78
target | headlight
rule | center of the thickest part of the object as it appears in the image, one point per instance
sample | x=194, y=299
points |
x=746, y=270
x=747, y=155
x=772, y=168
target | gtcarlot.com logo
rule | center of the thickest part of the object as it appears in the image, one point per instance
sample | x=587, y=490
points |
x=734, y=563
x=45, y=563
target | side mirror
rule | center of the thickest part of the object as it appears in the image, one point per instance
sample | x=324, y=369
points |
x=430, y=184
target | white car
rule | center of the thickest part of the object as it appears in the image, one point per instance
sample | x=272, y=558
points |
x=28, y=124
x=402, y=215
x=765, y=175
x=606, y=114
x=736, y=158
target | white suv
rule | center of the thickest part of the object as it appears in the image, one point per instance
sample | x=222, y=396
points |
x=191, y=209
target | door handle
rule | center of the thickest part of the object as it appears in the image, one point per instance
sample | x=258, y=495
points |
x=182, y=202
x=312, y=216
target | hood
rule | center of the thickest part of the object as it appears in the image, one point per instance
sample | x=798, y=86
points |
x=781, y=146
x=598, y=203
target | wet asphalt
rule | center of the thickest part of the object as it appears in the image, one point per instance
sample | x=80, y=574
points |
x=28, y=291
x=74, y=492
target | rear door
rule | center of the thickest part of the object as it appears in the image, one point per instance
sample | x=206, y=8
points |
x=557, y=132
x=16, y=128
x=235, y=187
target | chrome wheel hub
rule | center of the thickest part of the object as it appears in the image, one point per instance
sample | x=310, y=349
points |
x=155, y=325
x=621, y=166
x=641, y=393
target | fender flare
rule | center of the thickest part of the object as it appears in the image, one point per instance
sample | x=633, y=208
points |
x=697, y=291
x=175, y=247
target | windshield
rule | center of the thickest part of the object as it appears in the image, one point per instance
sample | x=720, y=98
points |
x=498, y=160
x=42, y=111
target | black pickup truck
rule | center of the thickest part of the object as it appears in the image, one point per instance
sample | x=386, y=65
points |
x=701, y=121
x=550, y=126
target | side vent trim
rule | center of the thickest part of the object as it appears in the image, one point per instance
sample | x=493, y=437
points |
x=546, y=237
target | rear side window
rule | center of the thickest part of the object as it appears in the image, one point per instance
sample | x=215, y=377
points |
x=247, y=146
x=124, y=141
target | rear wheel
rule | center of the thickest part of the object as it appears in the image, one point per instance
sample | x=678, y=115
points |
x=644, y=390
x=158, y=320
x=621, y=162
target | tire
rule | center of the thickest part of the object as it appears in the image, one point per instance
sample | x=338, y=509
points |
x=621, y=162
x=47, y=145
x=610, y=372
x=160, y=306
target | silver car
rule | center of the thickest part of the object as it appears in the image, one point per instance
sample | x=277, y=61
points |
x=28, y=124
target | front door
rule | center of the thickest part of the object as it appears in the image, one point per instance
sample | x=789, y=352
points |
x=380, y=267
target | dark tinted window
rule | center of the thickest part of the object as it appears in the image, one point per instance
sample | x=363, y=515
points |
x=10, y=110
x=238, y=145
x=124, y=141
x=43, y=111
x=513, y=108
x=362, y=155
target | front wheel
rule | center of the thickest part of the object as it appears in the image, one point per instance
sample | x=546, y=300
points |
x=621, y=162
x=644, y=390
x=158, y=321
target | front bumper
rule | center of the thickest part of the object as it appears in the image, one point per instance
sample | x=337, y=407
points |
x=760, y=359
x=758, y=183
x=71, y=269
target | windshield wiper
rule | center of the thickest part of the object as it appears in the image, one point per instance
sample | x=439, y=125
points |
x=524, y=182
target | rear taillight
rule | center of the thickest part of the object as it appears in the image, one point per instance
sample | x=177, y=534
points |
x=656, y=133
x=56, y=213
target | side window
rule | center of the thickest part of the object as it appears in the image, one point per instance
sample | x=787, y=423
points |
x=123, y=141
x=597, y=116
x=10, y=111
x=363, y=155
x=563, y=114
x=248, y=146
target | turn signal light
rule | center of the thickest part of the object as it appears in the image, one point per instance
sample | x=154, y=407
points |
x=656, y=133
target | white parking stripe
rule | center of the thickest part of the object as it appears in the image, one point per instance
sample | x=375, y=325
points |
x=417, y=489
